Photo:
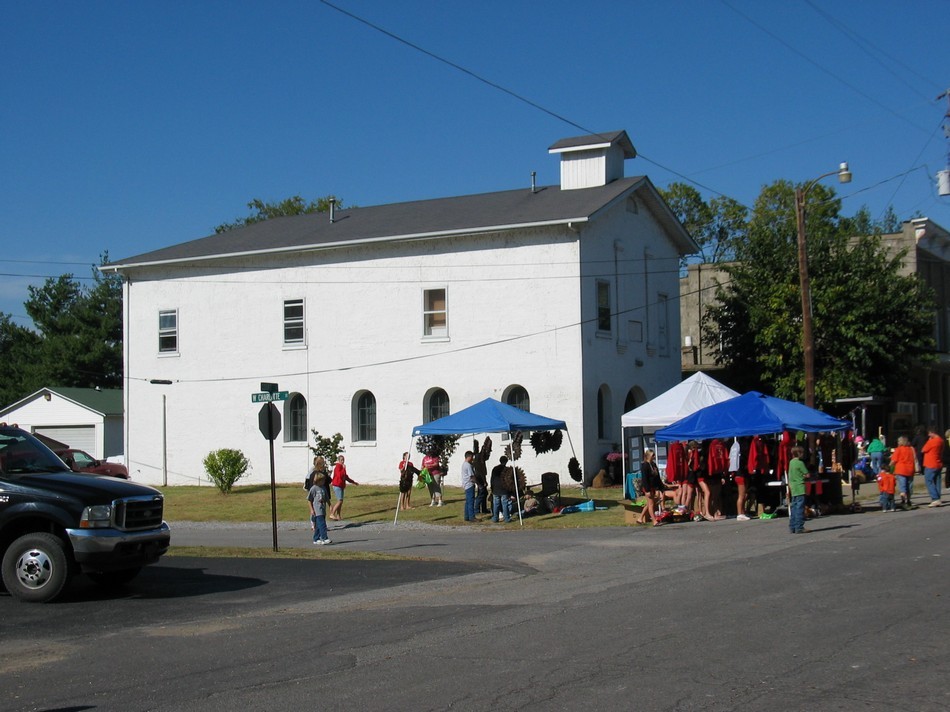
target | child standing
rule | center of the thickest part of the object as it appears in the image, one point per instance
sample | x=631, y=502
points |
x=886, y=484
x=318, y=512
x=797, y=472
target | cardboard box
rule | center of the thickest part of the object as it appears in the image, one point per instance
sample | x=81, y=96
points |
x=631, y=512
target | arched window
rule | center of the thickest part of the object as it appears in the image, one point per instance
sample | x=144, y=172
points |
x=437, y=405
x=364, y=421
x=518, y=397
x=603, y=413
x=296, y=418
x=630, y=402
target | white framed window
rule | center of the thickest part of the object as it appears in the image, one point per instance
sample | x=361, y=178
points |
x=603, y=306
x=294, y=332
x=364, y=420
x=168, y=331
x=296, y=418
x=435, y=313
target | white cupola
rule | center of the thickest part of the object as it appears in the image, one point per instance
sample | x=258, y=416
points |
x=594, y=160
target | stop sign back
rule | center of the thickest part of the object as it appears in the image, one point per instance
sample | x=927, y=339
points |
x=268, y=419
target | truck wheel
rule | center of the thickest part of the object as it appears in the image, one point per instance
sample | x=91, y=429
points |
x=114, y=578
x=36, y=567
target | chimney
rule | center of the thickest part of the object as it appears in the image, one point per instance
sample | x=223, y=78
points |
x=592, y=161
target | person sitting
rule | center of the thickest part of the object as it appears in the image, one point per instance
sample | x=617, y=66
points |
x=531, y=504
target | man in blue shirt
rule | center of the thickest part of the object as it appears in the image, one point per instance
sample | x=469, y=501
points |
x=468, y=484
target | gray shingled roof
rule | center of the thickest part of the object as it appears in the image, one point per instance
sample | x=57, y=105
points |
x=399, y=221
x=618, y=137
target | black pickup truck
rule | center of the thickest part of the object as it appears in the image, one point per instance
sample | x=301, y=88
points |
x=55, y=523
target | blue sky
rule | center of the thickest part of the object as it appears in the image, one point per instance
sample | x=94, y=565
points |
x=129, y=126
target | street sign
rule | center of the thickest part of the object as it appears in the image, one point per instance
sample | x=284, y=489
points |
x=268, y=420
x=269, y=397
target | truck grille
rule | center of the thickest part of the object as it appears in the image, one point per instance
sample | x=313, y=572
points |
x=134, y=513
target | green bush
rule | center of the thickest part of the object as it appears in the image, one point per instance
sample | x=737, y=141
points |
x=225, y=467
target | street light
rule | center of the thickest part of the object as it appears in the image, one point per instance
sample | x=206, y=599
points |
x=808, y=337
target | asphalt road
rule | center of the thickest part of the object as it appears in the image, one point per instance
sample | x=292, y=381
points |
x=712, y=616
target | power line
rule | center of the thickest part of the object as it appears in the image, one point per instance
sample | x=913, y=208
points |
x=854, y=37
x=818, y=65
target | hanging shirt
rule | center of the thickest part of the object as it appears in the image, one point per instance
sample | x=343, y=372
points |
x=784, y=453
x=676, y=462
x=735, y=456
x=758, y=456
x=717, y=460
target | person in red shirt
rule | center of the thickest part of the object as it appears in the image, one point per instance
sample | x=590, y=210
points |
x=903, y=463
x=932, y=452
x=340, y=478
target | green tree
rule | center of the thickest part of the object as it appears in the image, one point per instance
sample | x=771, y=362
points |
x=870, y=323
x=80, y=332
x=716, y=226
x=18, y=349
x=329, y=448
x=295, y=205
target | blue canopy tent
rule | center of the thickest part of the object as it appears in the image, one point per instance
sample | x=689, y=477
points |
x=751, y=414
x=490, y=416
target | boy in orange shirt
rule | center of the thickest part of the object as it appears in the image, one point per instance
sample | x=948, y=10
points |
x=886, y=484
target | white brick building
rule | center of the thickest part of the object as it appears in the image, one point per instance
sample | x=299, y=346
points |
x=563, y=298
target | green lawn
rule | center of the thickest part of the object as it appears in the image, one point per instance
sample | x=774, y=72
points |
x=368, y=503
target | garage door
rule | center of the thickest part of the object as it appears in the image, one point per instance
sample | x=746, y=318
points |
x=80, y=437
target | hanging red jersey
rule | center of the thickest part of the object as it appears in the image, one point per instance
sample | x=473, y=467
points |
x=717, y=460
x=784, y=453
x=758, y=456
x=676, y=462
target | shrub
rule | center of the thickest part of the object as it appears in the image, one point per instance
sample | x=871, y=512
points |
x=225, y=467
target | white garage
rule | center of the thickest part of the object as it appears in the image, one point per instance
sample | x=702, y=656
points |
x=89, y=419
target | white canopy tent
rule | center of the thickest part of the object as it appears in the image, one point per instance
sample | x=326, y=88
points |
x=685, y=398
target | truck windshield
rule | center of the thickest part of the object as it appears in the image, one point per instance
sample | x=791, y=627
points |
x=21, y=453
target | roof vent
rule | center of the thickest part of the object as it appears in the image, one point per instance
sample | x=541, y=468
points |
x=332, y=209
x=592, y=161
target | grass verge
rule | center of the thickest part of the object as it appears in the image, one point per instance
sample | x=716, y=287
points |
x=369, y=503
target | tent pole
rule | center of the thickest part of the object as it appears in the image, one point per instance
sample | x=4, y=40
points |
x=574, y=454
x=623, y=461
x=514, y=471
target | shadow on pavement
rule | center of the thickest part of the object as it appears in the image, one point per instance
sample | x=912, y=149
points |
x=158, y=582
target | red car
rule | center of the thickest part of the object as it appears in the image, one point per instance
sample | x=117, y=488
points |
x=80, y=461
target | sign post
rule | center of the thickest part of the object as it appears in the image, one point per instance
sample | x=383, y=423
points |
x=268, y=419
